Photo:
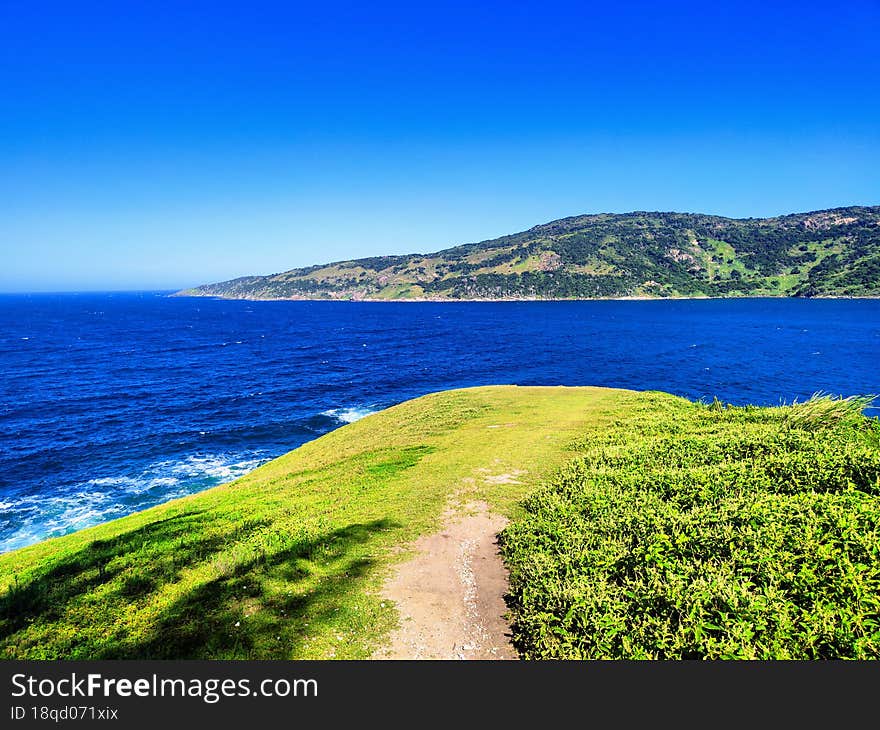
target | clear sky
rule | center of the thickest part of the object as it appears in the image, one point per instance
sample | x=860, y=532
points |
x=162, y=145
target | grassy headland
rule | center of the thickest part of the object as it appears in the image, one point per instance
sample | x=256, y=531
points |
x=287, y=561
x=643, y=254
x=653, y=527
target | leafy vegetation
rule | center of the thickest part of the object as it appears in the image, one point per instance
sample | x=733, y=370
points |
x=823, y=253
x=702, y=531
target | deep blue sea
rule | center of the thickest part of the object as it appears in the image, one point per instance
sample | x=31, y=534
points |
x=110, y=403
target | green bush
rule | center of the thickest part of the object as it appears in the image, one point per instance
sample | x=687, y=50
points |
x=706, y=532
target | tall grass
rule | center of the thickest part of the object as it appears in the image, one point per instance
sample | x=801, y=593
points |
x=824, y=411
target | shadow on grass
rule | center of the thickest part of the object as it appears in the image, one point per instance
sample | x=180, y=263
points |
x=93, y=589
x=161, y=549
x=235, y=616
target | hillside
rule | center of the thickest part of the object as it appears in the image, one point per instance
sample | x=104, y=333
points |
x=823, y=253
x=651, y=527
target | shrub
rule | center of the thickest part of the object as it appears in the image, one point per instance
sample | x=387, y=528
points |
x=706, y=532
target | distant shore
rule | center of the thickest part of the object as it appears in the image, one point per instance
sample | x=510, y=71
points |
x=448, y=300
x=654, y=255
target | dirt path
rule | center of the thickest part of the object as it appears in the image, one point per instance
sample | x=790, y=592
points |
x=450, y=595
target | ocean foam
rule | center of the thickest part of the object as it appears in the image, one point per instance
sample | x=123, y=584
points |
x=31, y=518
x=349, y=415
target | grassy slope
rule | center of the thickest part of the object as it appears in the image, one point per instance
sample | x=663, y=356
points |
x=284, y=562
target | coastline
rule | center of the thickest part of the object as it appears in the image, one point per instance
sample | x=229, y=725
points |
x=448, y=300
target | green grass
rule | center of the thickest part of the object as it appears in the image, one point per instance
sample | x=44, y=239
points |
x=643, y=526
x=721, y=260
x=699, y=531
x=286, y=562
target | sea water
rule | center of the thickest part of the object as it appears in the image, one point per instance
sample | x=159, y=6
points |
x=110, y=403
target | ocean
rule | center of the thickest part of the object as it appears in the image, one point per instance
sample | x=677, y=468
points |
x=110, y=403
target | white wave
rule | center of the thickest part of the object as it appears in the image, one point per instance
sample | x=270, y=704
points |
x=110, y=481
x=215, y=466
x=38, y=516
x=349, y=415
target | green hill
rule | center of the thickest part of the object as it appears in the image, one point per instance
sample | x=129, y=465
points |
x=651, y=527
x=823, y=253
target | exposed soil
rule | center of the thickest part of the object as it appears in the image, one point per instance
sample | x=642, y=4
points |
x=450, y=595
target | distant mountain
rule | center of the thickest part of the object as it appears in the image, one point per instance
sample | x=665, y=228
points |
x=824, y=253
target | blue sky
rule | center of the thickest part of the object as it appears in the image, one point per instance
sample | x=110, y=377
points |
x=161, y=145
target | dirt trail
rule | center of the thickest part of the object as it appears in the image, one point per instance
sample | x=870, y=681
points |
x=450, y=595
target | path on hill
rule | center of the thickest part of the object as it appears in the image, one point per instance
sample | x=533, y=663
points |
x=450, y=595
